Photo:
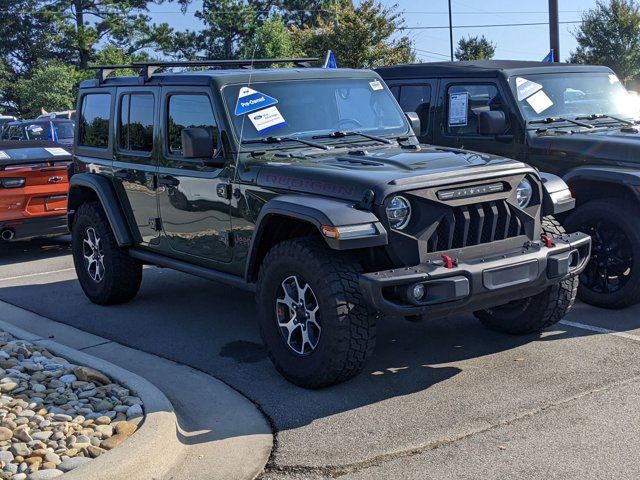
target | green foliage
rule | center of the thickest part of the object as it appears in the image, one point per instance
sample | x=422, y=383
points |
x=475, y=48
x=50, y=86
x=272, y=39
x=360, y=37
x=610, y=35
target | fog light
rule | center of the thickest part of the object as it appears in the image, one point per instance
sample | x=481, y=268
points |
x=418, y=291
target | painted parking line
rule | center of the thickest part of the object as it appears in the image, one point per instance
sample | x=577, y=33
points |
x=38, y=274
x=593, y=328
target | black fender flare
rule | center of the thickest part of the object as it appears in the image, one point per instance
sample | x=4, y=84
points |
x=103, y=190
x=629, y=179
x=319, y=212
x=556, y=196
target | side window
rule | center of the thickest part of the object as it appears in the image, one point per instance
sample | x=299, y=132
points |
x=94, y=120
x=417, y=98
x=478, y=98
x=135, y=125
x=188, y=111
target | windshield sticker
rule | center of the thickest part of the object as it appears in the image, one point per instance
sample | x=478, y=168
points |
x=613, y=79
x=526, y=88
x=4, y=154
x=249, y=101
x=56, y=152
x=539, y=102
x=267, y=119
x=458, y=109
x=375, y=85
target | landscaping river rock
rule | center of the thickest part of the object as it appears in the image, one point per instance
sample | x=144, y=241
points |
x=56, y=416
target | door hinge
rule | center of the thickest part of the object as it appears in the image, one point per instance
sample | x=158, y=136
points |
x=155, y=223
x=224, y=190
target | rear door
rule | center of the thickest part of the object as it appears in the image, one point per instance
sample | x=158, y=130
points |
x=193, y=195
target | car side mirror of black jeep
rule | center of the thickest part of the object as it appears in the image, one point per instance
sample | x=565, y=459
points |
x=200, y=143
x=492, y=123
x=414, y=121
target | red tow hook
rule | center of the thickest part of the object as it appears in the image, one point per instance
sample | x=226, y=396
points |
x=448, y=261
x=546, y=239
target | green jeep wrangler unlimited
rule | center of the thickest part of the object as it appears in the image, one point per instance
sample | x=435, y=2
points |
x=309, y=186
x=575, y=121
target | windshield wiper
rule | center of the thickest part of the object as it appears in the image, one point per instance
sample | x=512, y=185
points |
x=596, y=116
x=560, y=119
x=287, y=139
x=340, y=134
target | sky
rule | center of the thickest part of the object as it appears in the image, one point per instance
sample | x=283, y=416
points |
x=517, y=43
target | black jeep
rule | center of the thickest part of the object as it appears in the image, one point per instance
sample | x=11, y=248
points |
x=309, y=186
x=578, y=122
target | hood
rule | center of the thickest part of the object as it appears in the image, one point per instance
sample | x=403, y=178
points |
x=349, y=174
x=616, y=145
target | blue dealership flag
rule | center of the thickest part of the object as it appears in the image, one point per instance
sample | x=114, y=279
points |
x=550, y=58
x=330, y=61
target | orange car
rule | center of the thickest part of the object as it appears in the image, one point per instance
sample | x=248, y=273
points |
x=34, y=184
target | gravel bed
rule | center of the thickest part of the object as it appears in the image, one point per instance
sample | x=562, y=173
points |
x=55, y=416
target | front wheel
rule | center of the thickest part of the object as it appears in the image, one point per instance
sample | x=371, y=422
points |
x=313, y=320
x=532, y=314
x=611, y=279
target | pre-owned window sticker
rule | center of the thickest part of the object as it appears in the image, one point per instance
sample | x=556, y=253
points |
x=267, y=119
x=250, y=100
x=539, y=101
x=375, y=85
x=4, y=154
x=526, y=88
x=458, y=109
x=56, y=151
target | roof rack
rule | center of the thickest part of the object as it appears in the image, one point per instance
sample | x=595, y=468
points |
x=147, y=69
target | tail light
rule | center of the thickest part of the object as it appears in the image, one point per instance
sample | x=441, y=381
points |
x=12, y=182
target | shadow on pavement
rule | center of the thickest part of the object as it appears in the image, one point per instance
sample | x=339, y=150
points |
x=12, y=253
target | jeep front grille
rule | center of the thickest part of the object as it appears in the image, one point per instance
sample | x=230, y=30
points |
x=475, y=224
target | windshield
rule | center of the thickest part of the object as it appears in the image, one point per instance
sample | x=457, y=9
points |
x=64, y=130
x=572, y=95
x=304, y=108
x=37, y=131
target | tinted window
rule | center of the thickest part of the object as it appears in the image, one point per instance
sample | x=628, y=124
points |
x=94, y=120
x=136, y=122
x=417, y=98
x=64, y=130
x=479, y=98
x=38, y=131
x=188, y=111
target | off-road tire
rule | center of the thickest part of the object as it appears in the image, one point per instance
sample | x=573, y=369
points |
x=626, y=216
x=532, y=314
x=348, y=325
x=122, y=274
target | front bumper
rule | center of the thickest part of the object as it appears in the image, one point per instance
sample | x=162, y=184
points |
x=478, y=283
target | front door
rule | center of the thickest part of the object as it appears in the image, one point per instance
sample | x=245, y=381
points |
x=135, y=158
x=193, y=195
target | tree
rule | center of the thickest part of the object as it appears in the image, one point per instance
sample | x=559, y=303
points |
x=475, y=48
x=49, y=86
x=271, y=39
x=610, y=35
x=360, y=37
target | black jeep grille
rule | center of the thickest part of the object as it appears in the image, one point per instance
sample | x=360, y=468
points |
x=475, y=224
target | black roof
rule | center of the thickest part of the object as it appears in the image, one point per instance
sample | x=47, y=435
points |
x=490, y=68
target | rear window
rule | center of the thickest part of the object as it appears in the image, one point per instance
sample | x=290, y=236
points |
x=64, y=130
x=136, y=122
x=94, y=120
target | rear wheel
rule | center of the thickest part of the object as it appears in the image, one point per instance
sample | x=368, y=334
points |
x=532, y=314
x=313, y=321
x=611, y=279
x=107, y=274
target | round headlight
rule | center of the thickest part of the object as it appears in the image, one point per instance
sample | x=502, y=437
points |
x=398, y=212
x=524, y=193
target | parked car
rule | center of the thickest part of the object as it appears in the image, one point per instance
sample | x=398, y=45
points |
x=53, y=130
x=578, y=122
x=33, y=189
x=309, y=186
x=4, y=119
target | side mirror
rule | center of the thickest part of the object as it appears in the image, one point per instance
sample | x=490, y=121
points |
x=492, y=123
x=414, y=120
x=198, y=142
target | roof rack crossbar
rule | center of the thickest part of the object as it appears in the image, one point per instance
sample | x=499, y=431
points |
x=147, y=69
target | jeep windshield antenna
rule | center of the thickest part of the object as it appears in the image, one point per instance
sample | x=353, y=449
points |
x=244, y=118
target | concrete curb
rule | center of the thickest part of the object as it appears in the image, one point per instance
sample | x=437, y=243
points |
x=155, y=446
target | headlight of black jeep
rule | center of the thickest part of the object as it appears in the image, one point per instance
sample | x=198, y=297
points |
x=524, y=193
x=399, y=212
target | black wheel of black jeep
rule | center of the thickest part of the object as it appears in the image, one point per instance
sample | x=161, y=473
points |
x=107, y=274
x=532, y=314
x=611, y=279
x=313, y=321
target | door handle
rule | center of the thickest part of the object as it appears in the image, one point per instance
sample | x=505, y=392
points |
x=168, y=181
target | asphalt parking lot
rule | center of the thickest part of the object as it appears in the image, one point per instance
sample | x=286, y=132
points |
x=445, y=399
